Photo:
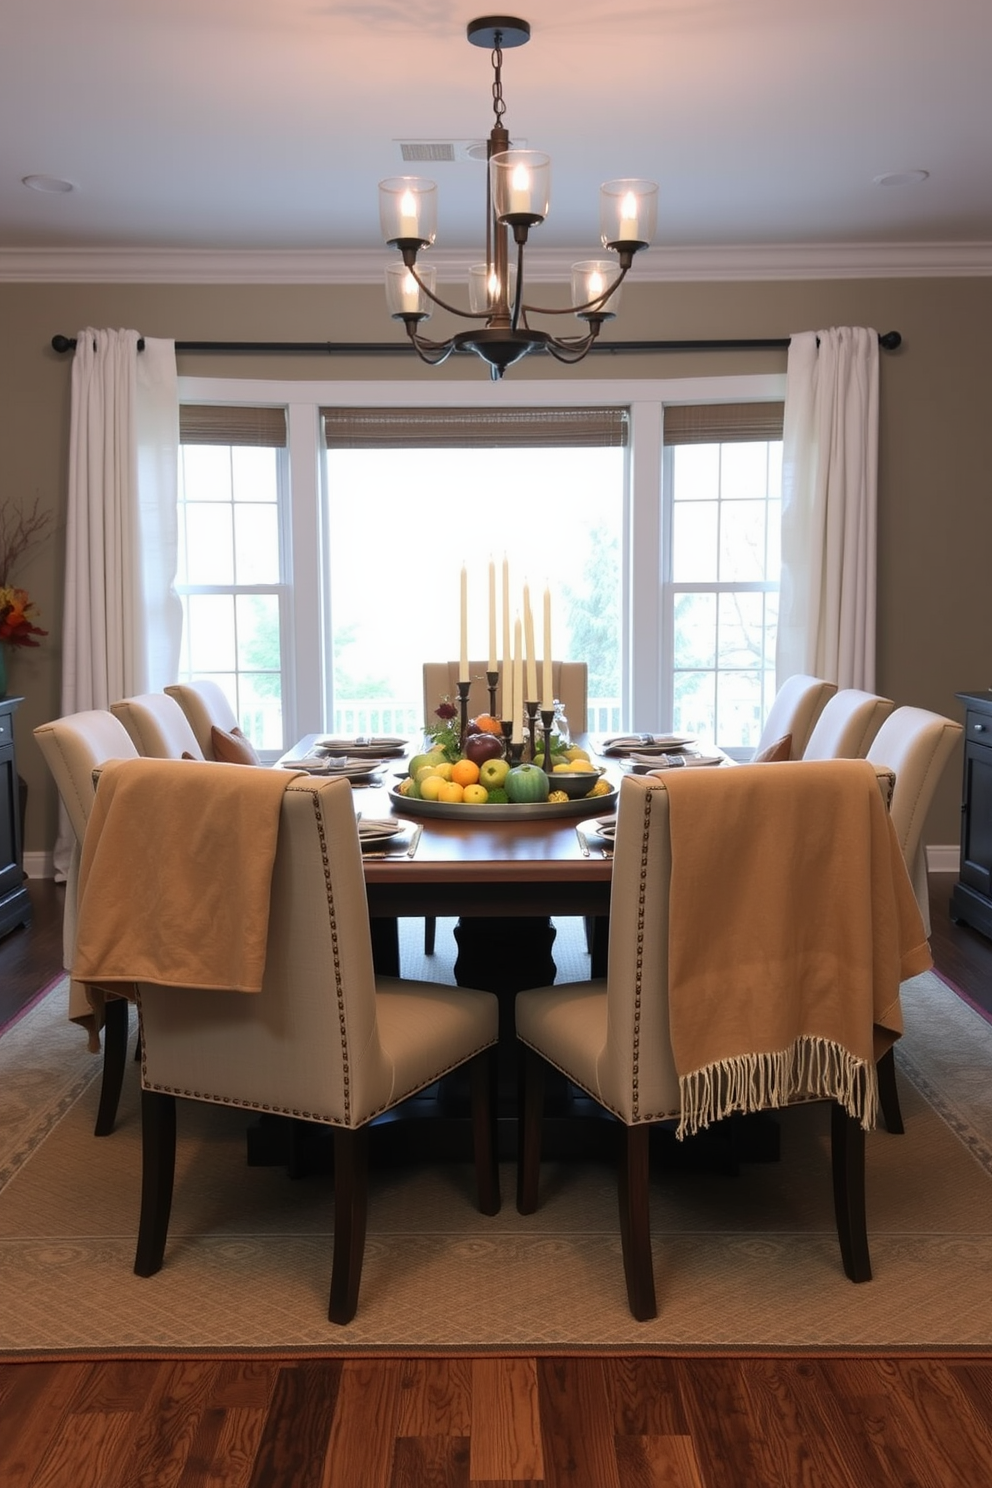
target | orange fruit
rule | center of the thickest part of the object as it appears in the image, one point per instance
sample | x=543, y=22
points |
x=451, y=792
x=465, y=772
x=475, y=795
x=489, y=725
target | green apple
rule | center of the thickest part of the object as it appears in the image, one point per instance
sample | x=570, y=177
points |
x=492, y=773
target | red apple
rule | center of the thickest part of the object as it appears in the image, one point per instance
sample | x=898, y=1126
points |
x=482, y=746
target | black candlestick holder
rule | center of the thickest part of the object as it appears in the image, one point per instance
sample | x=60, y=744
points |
x=493, y=679
x=547, y=719
x=516, y=748
x=532, y=725
x=506, y=724
x=463, y=690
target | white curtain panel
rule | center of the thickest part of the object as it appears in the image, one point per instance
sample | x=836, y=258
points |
x=829, y=500
x=123, y=620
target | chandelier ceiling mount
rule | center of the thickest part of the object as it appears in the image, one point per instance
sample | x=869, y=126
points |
x=517, y=200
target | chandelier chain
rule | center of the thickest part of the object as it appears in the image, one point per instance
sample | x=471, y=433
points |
x=499, y=107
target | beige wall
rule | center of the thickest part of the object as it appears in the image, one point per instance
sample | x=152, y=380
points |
x=935, y=516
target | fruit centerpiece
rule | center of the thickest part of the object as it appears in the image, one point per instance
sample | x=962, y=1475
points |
x=474, y=771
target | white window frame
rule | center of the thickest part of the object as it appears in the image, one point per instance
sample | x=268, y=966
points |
x=646, y=520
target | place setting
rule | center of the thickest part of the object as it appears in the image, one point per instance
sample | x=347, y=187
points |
x=388, y=837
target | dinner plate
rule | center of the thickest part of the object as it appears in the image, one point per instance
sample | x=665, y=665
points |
x=382, y=829
x=607, y=828
x=643, y=764
x=644, y=743
x=355, y=770
x=363, y=746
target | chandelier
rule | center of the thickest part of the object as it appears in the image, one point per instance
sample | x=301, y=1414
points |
x=517, y=199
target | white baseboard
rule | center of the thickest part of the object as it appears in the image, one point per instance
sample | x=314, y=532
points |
x=39, y=865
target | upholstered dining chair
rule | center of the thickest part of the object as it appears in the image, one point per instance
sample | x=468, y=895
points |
x=73, y=747
x=699, y=991
x=570, y=681
x=206, y=709
x=916, y=745
x=796, y=707
x=158, y=726
x=325, y=1040
x=847, y=725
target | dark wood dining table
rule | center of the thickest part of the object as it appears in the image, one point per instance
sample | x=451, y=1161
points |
x=474, y=868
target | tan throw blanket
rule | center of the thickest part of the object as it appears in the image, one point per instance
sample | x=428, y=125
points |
x=175, y=875
x=792, y=923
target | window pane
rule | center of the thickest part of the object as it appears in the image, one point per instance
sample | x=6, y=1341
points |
x=212, y=632
x=743, y=471
x=697, y=472
x=695, y=704
x=694, y=542
x=742, y=542
x=695, y=630
x=255, y=473
x=739, y=706
x=209, y=544
x=256, y=530
x=206, y=472
x=258, y=633
x=741, y=620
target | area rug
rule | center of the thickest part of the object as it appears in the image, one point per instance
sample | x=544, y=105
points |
x=745, y=1262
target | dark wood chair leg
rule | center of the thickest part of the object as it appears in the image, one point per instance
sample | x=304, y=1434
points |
x=888, y=1093
x=351, y=1202
x=158, y=1167
x=530, y=1111
x=430, y=934
x=847, y=1153
x=116, y=1024
x=635, y=1222
x=483, y=1073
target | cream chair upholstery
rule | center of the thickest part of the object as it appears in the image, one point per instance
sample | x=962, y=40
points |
x=73, y=747
x=613, y=1038
x=570, y=680
x=158, y=726
x=205, y=707
x=798, y=704
x=326, y=1040
x=847, y=725
x=916, y=745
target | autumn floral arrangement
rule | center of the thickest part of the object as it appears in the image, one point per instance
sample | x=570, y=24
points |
x=20, y=530
x=445, y=731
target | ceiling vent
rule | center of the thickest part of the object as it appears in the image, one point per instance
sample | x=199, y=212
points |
x=430, y=152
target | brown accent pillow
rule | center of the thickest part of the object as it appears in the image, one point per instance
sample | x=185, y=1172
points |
x=187, y=755
x=233, y=748
x=780, y=750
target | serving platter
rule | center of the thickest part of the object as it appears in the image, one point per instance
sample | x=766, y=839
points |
x=511, y=811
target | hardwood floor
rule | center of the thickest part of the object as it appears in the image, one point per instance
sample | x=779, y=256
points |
x=821, y=1422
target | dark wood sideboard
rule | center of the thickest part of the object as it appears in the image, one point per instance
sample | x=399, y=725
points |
x=971, y=898
x=15, y=904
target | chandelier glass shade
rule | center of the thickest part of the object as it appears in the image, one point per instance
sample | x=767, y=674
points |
x=518, y=198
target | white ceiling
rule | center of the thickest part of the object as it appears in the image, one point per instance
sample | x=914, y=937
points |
x=231, y=125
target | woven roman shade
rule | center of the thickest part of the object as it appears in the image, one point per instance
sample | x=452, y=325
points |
x=473, y=428
x=715, y=423
x=215, y=423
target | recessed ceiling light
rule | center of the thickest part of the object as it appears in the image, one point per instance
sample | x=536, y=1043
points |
x=46, y=183
x=901, y=178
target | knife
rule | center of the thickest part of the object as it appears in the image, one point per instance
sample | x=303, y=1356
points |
x=583, y=844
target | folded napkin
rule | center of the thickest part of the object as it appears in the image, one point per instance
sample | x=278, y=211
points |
x=383, y=826
x=657, y=762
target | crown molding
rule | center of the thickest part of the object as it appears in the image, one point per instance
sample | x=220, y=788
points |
x=781, y=261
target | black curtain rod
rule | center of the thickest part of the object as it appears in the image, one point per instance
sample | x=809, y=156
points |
x=888, y=340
